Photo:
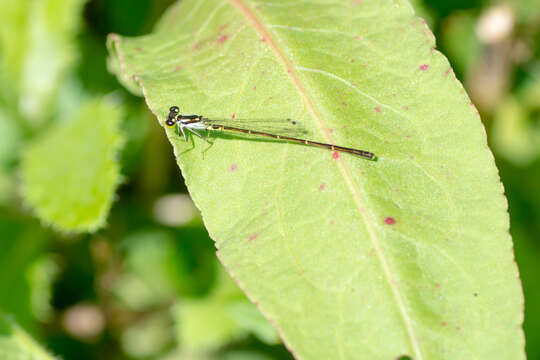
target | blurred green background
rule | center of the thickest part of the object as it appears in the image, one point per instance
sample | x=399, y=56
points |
x=148, y=285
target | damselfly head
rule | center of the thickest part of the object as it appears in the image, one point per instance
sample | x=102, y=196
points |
x=171, y=118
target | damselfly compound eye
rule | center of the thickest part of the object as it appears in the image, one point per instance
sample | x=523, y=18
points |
x=174, y=109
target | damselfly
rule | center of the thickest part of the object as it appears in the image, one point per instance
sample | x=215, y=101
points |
x=194, y=123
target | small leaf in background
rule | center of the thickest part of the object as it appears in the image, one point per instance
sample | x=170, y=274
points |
x=516, y=131
x=41, y=275
x=70, y=175
x=21, y=245
x=15, y=344
x=10, y=139
x=148, y=337
x=178, y=354
x=204, y=325
x=459, y=40
x=409, y=255
x=247, y=316
x=151, y=270
x=10, y=143
x=37, y=38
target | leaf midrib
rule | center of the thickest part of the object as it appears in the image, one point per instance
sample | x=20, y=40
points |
x=346, y=173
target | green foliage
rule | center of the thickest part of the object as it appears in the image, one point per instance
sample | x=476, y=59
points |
x=148, y=286
x=70, y=174
x=460, y=42
x=205, y=325
x=409, y=255
x=152, y=269
x=15, y=344
x=9, y=145
x=41, y=276
x=225, y=315
x=516, y=127
x=36, y=39
x=20, y=247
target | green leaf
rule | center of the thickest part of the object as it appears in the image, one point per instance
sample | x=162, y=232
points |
x=70, y=174
x=204, y=325
x=10, y=139
x=408, y=255
x=248, y=317
x=41, y=277
x=148, y=336
x=460, y=41
x=515, y=132
x=150, y=270
x=15, y=344
x=21, y=245
x=10, y=144
x=37, y=42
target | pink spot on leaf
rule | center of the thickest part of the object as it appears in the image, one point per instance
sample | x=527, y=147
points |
x=177, y=67
x=377, y=109
x=195, y=46
x=233, y=167
x=322, y=186
x=389, y=221
x=332, y=222
x=263, y=39
x=222, y=39
x=253, y=237
x=405, y=108
x=424, y=67
x=223, y=26
x=335, y=155
x=254, y=88
x=443, y=323
x=138, y=49
x=233, y=116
